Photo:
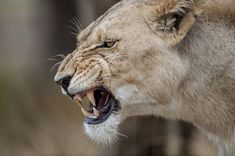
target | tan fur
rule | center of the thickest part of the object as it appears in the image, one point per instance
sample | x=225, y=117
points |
x=172, y=58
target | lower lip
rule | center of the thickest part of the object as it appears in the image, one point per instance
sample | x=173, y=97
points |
x=103, y=117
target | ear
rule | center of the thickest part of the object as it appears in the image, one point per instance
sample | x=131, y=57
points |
x=172, y=19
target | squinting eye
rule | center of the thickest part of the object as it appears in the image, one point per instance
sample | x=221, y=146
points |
x=109, y=44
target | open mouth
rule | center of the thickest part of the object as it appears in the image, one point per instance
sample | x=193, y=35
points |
x=101, y=104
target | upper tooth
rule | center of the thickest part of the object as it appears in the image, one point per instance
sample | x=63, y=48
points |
x=85, y=112
x=79, y=104
x=96, y=112
x=78, y=97
x=90, y=96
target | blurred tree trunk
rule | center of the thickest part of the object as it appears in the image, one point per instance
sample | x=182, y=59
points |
x=86, y=11
x=89, y=10
x=64, y=11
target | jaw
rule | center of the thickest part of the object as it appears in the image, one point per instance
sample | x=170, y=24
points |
x=132, y=103
x=105, y=133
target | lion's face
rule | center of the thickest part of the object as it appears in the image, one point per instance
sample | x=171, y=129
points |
x=124, y=67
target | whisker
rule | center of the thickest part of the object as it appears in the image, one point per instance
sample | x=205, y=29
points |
x=122, y=135
x=60, y=56
x=82, y=133
x=86, y=140
x=56, y=57
x=78, y=26
x=78, y=23
x=52, y=59
x=55, y=65
x=75, y=34
x=73, y=21
x=74, y=31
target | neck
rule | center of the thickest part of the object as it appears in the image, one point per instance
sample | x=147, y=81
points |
x=207, y=92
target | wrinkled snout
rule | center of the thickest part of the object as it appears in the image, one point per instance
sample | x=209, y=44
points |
x=77, y=74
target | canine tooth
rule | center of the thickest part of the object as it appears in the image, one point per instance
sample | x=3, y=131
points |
x=90, y=96
x=85, y=112
x=78, y=97
x=96, y=112
x=79, y=104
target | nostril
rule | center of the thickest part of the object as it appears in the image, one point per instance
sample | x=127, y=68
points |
x=64, y=82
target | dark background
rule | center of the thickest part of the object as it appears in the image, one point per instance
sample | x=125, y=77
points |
x=36, y=119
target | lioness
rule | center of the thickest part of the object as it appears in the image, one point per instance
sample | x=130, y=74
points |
x=170, y=58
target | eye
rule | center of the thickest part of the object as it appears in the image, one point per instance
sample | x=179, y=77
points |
x=108, y=44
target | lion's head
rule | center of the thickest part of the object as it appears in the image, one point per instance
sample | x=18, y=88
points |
x=126, y=63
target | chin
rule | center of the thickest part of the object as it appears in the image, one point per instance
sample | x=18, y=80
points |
x=102, y=113
x=105, y=133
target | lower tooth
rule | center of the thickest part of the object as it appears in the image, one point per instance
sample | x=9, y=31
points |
x=96, y=112
x=85, y=112
x=79, y=104
x=93, y=117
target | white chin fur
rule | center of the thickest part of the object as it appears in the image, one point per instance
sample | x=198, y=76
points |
x=105, y=133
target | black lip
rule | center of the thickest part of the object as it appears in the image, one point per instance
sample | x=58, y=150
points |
x=113, y=106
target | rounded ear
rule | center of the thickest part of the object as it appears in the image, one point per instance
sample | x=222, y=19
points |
x=172, y=19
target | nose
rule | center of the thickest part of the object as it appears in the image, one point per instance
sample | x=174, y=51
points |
x=64, y=82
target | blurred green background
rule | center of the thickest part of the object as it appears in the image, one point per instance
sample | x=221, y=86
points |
x=36, y=119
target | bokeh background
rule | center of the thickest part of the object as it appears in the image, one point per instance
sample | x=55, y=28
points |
x=36, y=119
